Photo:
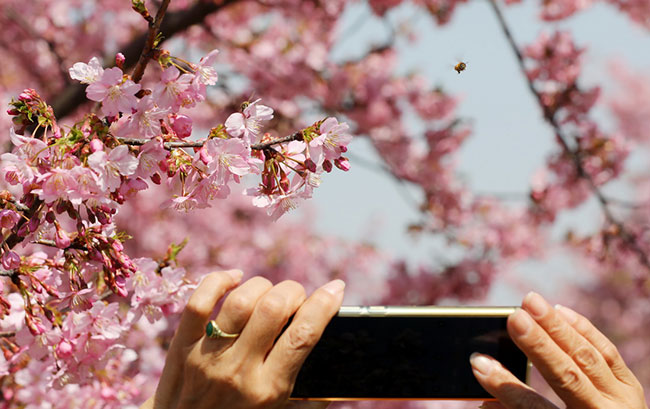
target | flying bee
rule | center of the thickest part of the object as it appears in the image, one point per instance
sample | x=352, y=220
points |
x=460, y=66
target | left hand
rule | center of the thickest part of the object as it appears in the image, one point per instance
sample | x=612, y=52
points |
x=257, y=369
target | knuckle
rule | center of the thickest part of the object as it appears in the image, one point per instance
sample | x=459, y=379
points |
x=586, y=357
x=237, y=302
x=294, y=287
x=272, y=304
x=569, y=379
x=301, y=336
x=610, y=353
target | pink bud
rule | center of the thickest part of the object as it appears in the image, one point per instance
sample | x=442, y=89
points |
x=343, y=148
x=10, y=260
x=64, y=349
x=96, y=145
x=155, y=178
x=205, y=156
x=327, y=166
x=34, y=324
x=61, y=238
x=342, y=163
x=182, y=125
x=119, y=60
x=120, y=286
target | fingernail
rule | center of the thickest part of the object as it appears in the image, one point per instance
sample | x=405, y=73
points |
x=567, y=313
x=334, y=287
x=482, y=363
x=235, y=274
x=520, y=322
x=535, y=305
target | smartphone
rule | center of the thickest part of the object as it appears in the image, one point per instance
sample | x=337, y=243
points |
x=388, y=352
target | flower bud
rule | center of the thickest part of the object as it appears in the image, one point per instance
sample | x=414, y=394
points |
x=61, y=238
x=342, y=163
x=309, y=164
x=119, y=60
x=96, y=145
x=155, y=178
x=10, y=260
x=182, y=125
x=50, y=217
x=8, y=218
x=64, y=349
x=327, y=166
x=34, y=324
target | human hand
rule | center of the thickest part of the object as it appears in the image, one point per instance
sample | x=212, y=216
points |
x=582, y=366
x=253, y=370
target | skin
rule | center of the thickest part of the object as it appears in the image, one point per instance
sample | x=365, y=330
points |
x=253, y=370
x=582, y=366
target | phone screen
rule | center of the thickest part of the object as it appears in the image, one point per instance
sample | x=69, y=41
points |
x=405, y=358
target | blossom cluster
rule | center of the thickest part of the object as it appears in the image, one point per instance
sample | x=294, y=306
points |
x=62, y=307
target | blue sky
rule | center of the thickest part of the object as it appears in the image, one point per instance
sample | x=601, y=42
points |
x=510, y=139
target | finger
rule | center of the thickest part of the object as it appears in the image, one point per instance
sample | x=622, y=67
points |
x=559, y=370
x=240, y=303
x=201, y=305
x=269, y=316
x=236, y=311
x=606, y=348
x=503, y=385
x=583, y=353
x=297, y=341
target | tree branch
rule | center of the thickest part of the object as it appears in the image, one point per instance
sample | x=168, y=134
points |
x=71, y=97
x=145, y=55
x=549, y=116
x=198, y=144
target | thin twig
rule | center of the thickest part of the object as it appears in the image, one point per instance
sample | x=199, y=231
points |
x=549, y=115
x=198, y=144
x=145, y=55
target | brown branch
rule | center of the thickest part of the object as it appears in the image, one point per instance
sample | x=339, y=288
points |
x=198, y=144
x=71, y=97
x=549, y=116
x=145, y=55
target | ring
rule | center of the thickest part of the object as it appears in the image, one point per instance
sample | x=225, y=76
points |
x=212, y=330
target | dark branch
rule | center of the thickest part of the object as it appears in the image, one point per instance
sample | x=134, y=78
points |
x=549, y=115
x=145, y=55
x=74, y=95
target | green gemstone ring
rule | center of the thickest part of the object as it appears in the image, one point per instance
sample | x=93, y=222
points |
x=212, y=330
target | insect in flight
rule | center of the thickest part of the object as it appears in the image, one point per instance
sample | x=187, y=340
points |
x=460, y=66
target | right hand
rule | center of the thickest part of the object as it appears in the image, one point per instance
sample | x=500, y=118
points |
x=582, y=366
x=253, y=370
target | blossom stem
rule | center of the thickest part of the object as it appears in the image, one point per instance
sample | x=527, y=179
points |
x=574, y=154
x=198, y=144
x=154, y=29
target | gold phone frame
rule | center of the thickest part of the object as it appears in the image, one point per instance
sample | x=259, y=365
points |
x=420, y=311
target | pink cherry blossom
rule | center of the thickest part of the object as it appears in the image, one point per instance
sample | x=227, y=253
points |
x=110, y=167
x=172, y=92
x=248, y=124
x=145, y=121
x=114, y=92
x=331, y=142
x=8, y=218
x=87, y=73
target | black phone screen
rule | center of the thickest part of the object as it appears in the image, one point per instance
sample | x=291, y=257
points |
x=405, y=358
